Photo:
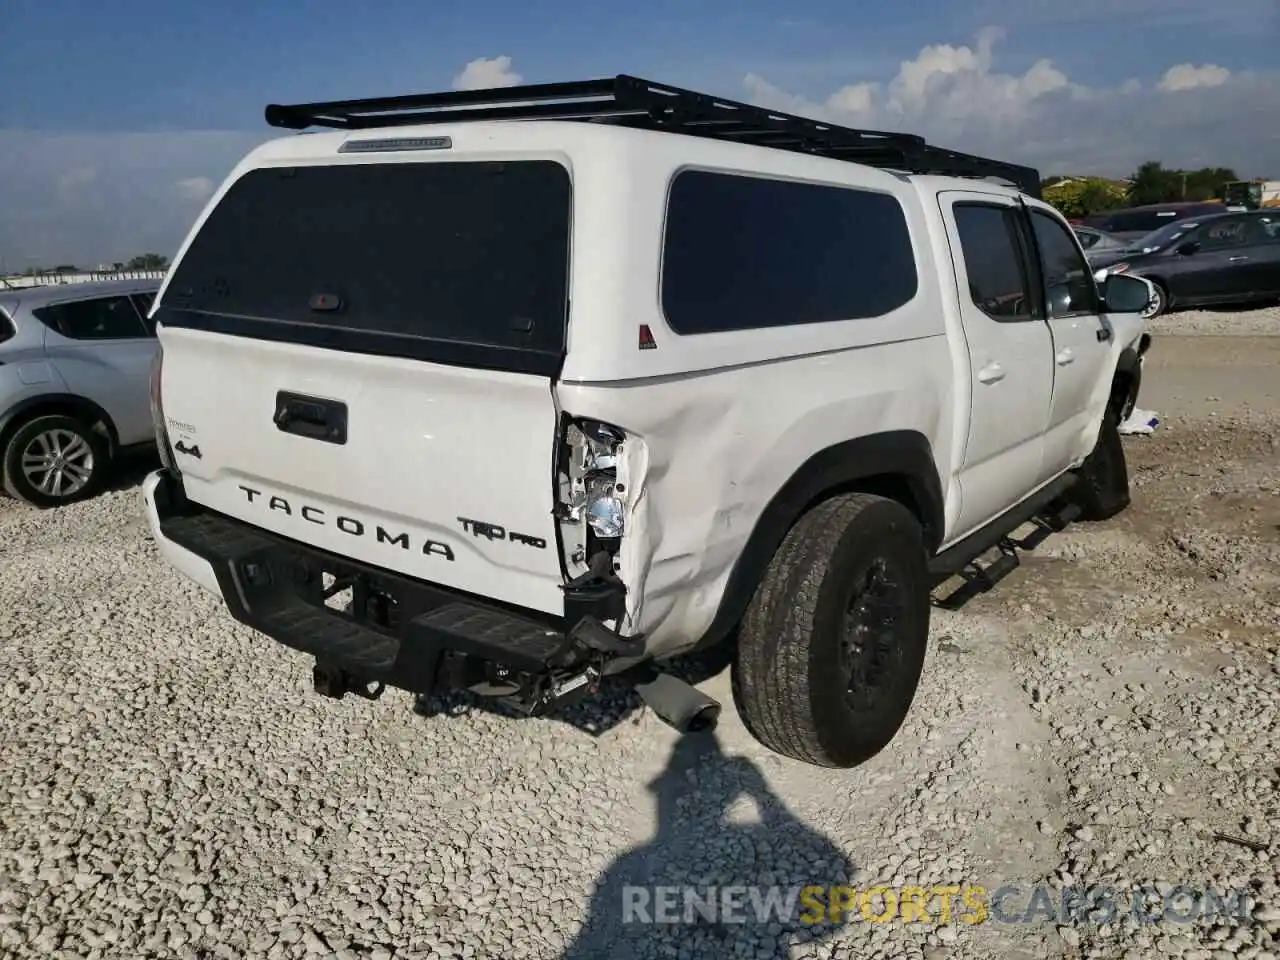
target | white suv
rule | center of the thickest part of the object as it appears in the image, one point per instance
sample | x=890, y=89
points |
x=75, y=361
x=557, y=382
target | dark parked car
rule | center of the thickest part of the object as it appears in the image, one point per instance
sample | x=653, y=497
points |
x=1135, y=222
x=1228, y=258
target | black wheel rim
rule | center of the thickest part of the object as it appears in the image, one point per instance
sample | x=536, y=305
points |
x=869, y=648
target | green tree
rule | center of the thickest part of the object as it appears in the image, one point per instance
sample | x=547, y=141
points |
x=1154, y=183
x=1081, y=196
x=1207, y=183
x=148, y=261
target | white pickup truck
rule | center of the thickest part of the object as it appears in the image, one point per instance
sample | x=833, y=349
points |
x=516, y=390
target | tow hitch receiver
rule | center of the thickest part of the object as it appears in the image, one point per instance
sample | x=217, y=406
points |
x=332, y=681
x=562, y=691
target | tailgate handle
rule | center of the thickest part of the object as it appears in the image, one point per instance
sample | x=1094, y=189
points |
x=311, y=417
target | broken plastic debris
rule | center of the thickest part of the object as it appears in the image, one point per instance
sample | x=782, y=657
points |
x=1140, y=421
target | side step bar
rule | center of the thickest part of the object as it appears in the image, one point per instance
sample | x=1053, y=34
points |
x=957, y=557
x=962, y=558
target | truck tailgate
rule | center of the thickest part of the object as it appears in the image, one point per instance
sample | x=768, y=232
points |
x=443, y=473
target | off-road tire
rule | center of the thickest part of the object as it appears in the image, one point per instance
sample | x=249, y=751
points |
x=16, y=483
x=1102, y=490
x=789, y=673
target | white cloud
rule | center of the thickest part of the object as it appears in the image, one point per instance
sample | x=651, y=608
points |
x=72, y=185
x=195, y=189
x=1187, y=76
x=102, y=197
x=955, y=81
x=90, y=198
x=77, y=177
x=482, y=74
x=956, y=96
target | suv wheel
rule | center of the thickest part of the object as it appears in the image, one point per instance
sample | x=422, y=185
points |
x=53, y=460
x=831, y=648
x=1102, y=490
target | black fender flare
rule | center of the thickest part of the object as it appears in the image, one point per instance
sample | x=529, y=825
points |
x=83, y=407
x=1127, y=380
x=1132, y=354
x=895, y=463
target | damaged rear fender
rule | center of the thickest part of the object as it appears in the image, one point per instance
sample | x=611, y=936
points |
x=896, y=463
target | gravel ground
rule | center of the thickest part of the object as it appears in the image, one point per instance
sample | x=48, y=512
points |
x=170, y=786
x=1247, y=323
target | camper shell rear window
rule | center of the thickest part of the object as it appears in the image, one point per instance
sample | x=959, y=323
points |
x=459, y=262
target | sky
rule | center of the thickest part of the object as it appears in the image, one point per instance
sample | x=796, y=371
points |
x=117, y=121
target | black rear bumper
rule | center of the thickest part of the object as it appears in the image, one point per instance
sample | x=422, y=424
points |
x=398, y=631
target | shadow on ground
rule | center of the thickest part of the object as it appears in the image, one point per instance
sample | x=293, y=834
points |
x=130, y=469
x=707, y=843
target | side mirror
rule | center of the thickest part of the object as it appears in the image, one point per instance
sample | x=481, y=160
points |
x=1124, y=294
x=1188, y=248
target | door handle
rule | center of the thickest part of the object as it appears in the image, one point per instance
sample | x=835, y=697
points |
x=1065, y=356
x=311, y=417
x=991, y=373
x=1236, y=259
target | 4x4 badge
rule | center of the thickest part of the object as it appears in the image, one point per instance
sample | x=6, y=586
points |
x=181, y=447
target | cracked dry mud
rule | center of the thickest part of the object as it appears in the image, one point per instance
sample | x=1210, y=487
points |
x=170, y=787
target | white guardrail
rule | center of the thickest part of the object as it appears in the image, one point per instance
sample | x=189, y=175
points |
x=58, y=279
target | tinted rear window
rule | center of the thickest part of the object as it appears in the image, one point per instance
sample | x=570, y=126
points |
x=7, y=330
x=748, y=252
x=99, y=318
x=413, y=254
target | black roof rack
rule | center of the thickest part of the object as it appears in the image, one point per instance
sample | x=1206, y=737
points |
x=632, y=102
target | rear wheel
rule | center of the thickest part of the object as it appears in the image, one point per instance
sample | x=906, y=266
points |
x=54, y=460
x=1103, y=487
x=831, y=648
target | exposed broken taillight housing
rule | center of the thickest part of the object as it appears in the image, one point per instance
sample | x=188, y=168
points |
x=592, y=501
x=593, y=495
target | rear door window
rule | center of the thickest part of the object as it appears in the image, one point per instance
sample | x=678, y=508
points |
x=102, y=318
x=453, y=261
x=990, y=245
x=1227, y=233
x=744, y=253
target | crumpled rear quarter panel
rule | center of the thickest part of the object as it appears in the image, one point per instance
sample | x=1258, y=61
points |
x=707, y=452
